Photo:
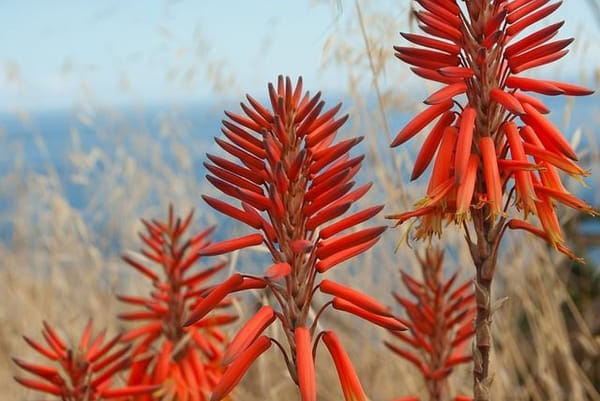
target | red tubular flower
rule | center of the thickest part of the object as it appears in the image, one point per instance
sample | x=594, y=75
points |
x=80, y=373
x=236, y=370
x=294, y=183
x=305, y=364
x=476, y=51
x=440, y=321
x=184, y=362
x=248, y=333
x=351, y=386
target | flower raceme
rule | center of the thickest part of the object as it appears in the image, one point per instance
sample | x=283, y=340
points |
x=294, y=184
x=440, y=322
x=484, y=153
x=184, y=363
x=83, y=372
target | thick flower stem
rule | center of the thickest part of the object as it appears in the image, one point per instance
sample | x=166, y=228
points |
x=436, y=390
x=484, y=257
x=483, y=338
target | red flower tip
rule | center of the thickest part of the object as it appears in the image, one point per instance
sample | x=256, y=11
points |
x=45, y=372
x=232, y=245
x=278, y=271
x=238, y=368
x=544, y=128
x=516, y=224
x=507, y=100
x=446, y=93
x=420, y=121
x=129, y=391
x=214, y=298
x=351, y=387
x=349, y=221
x=48, y=353
x=332, y=246
x=305, y=364
x=248, y=333
x=241, y=215
x=40, y=386
x=387, y=322
x=409, y=356
x=301, y=246
x=357, y=298
x=566, y=199
x=251, y=283
x=431, y=144
x=340, y=249
x=216, y=320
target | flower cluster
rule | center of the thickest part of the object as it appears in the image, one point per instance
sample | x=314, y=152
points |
x=440, y=322
x=83, y=372
x=294, y=183
x=496, y=142
x=185, y=363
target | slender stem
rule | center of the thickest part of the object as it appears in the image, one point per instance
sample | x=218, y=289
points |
x=313, y=327
x=484, y=254
x=291, y=366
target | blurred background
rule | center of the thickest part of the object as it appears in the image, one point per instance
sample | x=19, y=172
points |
x=107, y=110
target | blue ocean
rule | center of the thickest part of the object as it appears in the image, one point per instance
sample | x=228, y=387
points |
x=41, y=142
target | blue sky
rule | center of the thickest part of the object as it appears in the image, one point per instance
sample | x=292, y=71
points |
x=56, y=53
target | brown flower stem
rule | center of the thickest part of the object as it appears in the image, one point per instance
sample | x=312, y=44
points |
x=484, y=254
x=481, y=353
x=437, y=389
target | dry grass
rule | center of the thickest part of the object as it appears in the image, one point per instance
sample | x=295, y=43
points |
x=62, y=263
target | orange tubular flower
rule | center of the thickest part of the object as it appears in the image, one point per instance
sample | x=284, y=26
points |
x=475, y=49
x=185, y=363
x=81, y=373
x=294, y=184
x=440, y=321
